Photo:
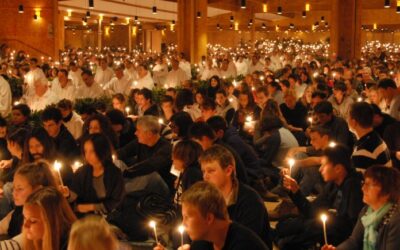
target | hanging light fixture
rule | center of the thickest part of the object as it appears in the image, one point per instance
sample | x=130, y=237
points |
x=398, y=7
x=198, y=14
x=243, y=4
x=173, y=22
x=154, y=10
x=316, y=24
x=91, y=4
x=387, y=4
x=291, y=26
x=307, y=7
x=20, y=8
x=322, y=19
x=232, y=19
x=88, y=14
x=251, y=22
x=231, y=27
x=279, y=10
x=304, y=14
x=264, y=26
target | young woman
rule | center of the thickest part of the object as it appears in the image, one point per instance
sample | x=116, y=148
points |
x=119, y=102
x=97, y=186
x=98, y=123
x=92, y=232
x=27, y=179
x=47, y=220
x=184, y=157
x=224, y=107
x=378, y=226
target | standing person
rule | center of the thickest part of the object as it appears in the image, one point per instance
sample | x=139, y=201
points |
x=378, y=225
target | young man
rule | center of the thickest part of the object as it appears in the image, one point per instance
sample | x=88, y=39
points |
x=388, y=90
x=244, y=204
x=342, y=194
x=205, y=216
x=65, y=143
x=71, y=120
x=369, y=149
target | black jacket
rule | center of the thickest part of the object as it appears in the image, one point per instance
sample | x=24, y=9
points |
x=86, y=194
x=148, y=159
x=66, y=145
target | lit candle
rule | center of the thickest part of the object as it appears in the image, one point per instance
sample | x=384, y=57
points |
x=324, y=218
x=359, y=99
x=76, y=166
x=161, y=121
x=127, y=110
x=332, y=144
x=310, y=119
x=291, y=164
x=153, y=225
x=57, y=167
x=181, y=229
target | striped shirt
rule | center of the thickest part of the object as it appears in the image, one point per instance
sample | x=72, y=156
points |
x=370, y=150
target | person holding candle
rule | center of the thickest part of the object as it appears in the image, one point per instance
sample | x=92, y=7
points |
x=122, y=126
x=378, y=226
x=98, y=123
x=205, y=217
x=97, y=187
x=341, y=195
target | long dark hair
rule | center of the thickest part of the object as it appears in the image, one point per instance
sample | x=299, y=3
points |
x=102, y=147
x=105, y=126
x=49, y=152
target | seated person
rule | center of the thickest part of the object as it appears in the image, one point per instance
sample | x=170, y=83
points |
x=71, y=120
x=323, y=112
x=3, y=141
x=245, y=206
x=20, y=116
x=341, y=196
x=294, y=112
x=123, y=127
x=152, y=154
x=203, y=134
x=27, y=179
x=224, y=107
x=48, y=219
x=369, y=148
x=98, y=123
x=308, y=160
x=97, y=187
x=378, y=226
x=381, y=120
x=204, y=222
x=64, y=141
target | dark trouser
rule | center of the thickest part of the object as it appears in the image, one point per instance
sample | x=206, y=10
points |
x=309, y=179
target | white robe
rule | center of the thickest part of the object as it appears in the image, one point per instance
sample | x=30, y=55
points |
x=145, y=82
x=103, y=76
x=185, y=65
x=93, y=91
x=68, y=92
x=160, y=72
x=175, y=78
x=74, y=125
x=37, y=103
x=116, y=85
x=5, y=97
x=76, y=77
x=242, y=68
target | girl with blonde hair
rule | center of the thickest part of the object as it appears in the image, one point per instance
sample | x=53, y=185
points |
x=92, y=232
x=47, y=220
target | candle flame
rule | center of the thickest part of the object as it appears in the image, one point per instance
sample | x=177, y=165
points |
x=181, y=229
x=152, y=224
x=291, y=162
x=324, y=218
x=249, y=118
x=57, y=165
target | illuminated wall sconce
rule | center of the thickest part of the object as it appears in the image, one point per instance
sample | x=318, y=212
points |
x=127, y=20
x=236, y=26
x=307, y=7
x=101, y=16
x=134, y=30
x=265, y=8
x=21, y=9
x=36, y=16
x=375, y=26
x=107, y=30
x=69, y=13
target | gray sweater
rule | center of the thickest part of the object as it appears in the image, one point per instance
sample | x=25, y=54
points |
x=388, y=234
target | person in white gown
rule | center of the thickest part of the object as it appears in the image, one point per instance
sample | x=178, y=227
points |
x=145, y=80
x=5, y=97
x=90, y=88
x=103, y=73
x=176, y=76
x=118, y=84
x=63, y=87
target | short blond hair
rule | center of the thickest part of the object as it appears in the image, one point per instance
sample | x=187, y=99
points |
x=92, y=232
x=207, y=198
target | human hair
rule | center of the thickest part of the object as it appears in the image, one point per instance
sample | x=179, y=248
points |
x=339, y=155
x=217, y=123
x=387, y=83
x=64, y=71
x=263, y=90
x=87, y=72
x=51, y=113
x=120, y=97
x=3, y=122
x=18, y=136
x=116, y=117
x=377, y=110
x=166, y=99
x=40, y=134
x=221, y=155
x=387, y=178
x=102, y=147
x=65, y=104
x=56, y=215
x=319, y=94
x=37, y=174
x=23, y=108
x=208, y=200
x=208, y=104
x=182, y=120
x=320, y=130
x=362, y=113
x=222, y=92
x=149, y=123
x=270, y=122
x=340, y=85
x=146, y=93
x=105, y=126
x=92, y=232
x=199, y=129
x=183, y=98
x=324, y=107
x=187, y=151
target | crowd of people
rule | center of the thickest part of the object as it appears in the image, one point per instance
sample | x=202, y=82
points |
x=280, y=121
